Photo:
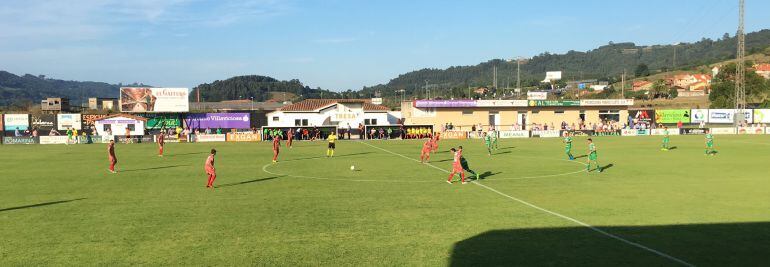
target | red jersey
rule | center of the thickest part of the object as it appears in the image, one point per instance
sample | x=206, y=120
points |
x=427, y=146
x=162, y=139
x=209, y=166
x=111, y=150
x=276, y=142
x=290, y=135
x=458, y=155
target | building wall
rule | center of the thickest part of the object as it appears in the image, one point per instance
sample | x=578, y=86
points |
x=287, y=119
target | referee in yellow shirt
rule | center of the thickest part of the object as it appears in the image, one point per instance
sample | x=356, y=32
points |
x=332, y=139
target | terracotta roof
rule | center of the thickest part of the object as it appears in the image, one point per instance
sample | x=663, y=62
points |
x=316, y=104
x=762, y=67
x=124, y=116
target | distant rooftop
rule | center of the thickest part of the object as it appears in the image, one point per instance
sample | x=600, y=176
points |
x=234, y=105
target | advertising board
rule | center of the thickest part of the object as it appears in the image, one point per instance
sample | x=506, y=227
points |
x=68, y=121
x=143, y=99
x=218, y=120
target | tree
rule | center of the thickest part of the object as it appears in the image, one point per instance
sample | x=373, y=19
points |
x=658, y=87
x=642, y=70
x=722, y=93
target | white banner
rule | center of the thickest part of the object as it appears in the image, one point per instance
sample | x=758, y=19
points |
x=210, y=138
x=727, y=115
x=49, y=140
x=673, y=131
x=762, y=116
x=751, y=130
x=548, y=133
x=514, y=134
x=537, y=95
x=723, y=130
x=142, y=99
x=14, y=121
x=68, y=121
x=607, y=102
x=629, y=132
x=699, y=115
x=501, y=103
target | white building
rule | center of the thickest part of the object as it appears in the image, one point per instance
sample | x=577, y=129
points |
x=120, y=124
x=332, y=112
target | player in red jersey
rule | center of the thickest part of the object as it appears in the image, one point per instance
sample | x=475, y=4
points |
x=456, y=166
x=210, y=170
x=425, y=154
x=289, y=137
x=161, y=143
x=276, y=147
x=111, y=155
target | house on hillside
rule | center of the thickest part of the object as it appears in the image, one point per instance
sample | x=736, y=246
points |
x=481, y=90
x=642, y=85
x=763, y=70
x=691, y=84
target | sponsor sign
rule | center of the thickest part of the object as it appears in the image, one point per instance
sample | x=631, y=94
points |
x=672, y=116
x=699, y=115
x=579, y=132
x=751, y=130
x=692, y=131
x=21, y=140
x=762, y=116
x=513, y=134
x=537, y=95
x=643, y=132
x=243, y=137
x=501, y=103
x=629, y=132
x=554, y=103
x=643, y=116
x=723, y=130
x=209, y=138
x=552, y=75
x=89, y=120
x=454, y=135
x=727, y=115
x=606, y=133
x=13, y=121
x=661, y=131
x=475, y=135
x=49, y=140
x=547, y=133
x=444, y=103
x=607, y=102
x=135, y=138
x=142, y=99
x=159, y=121
x=218, y=120
x=43, y=122
x=68, y=121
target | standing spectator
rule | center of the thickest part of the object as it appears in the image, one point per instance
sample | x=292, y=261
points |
x=350, y=129
x=679, y=124
x=390, y=133
x=361, y=132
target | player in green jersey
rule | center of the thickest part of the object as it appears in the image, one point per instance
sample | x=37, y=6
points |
x=666, y=139
x=488, y=143
x=568, y=145
x=464, y=164
x=493, y=133
x=592, y=156
x=710, y=143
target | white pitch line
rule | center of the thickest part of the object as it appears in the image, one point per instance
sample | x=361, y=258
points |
x=632, y=243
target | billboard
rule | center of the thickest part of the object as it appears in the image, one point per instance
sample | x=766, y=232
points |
x=607, y=102
x=142, y=99
x=646, y=117
x=514, y=134
x=552, y=76
x=727, y=115
x=699, y=115
x=160, y=121
x=13, y=121
x=537, y=95
x=43, y=122
x=501, y=103
x=554, y=103
x=218, y=120
x=762, y=116
x=89, y=120
x=672, y=116
x=444, y=103
x=68, y=121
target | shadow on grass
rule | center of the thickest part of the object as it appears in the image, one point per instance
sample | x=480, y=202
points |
x=501, y=152
x=154, y=168
x=722, y=244
x=581, y=156
x=41, y=204
x=507, y=148
x=324, y=156
x=672, y=148
x=248, y=182
x=488, y=174
x=607, y=166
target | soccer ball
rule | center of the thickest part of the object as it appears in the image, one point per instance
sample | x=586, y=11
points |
x=352, y=168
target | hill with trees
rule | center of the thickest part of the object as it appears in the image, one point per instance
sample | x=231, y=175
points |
x=22, y=91
x=257, y=87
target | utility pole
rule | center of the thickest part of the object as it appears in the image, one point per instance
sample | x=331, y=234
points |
x=518, y=76
x=494, y=76
x=740, y=70
x=427, y=91
x=623, y=84
x=673, y=63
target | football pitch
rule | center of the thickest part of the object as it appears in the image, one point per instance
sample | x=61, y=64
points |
x=60, y=206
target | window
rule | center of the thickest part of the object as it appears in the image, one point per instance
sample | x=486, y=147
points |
x=300, y=122
x=467, y=112
x=276, y=118
x=535, y=111
x=558, y=111
x=610, y=115
x=131, y=127
x=370, y=121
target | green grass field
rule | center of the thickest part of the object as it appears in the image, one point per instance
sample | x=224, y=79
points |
x=60, y=206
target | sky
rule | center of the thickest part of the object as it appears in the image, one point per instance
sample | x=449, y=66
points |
x=332, y=44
